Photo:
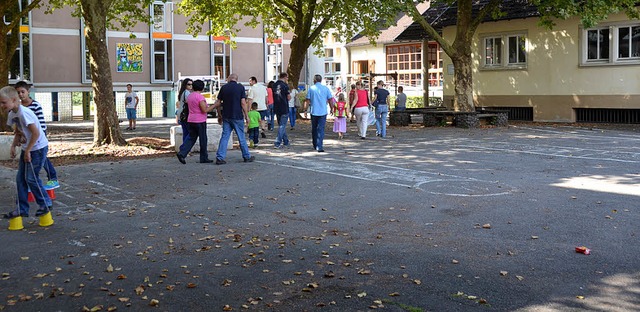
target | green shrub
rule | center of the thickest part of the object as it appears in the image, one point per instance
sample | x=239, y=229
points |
x=416, y=101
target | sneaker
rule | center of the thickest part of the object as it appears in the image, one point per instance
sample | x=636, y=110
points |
x=208, y=161
x=278, y=147
x=264, y=136
x=250, y=159
x=320, y=151
x=13, y=214
x=43, y=211
x=52, y=184
x=180, y=158
x=220, y=162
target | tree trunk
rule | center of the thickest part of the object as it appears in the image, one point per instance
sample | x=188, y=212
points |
x=106, y=129
x=296, y=60
x=463, y=80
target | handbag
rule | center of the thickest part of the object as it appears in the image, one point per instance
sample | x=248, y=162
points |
x=184, y=114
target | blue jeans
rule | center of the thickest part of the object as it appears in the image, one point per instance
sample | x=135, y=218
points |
x=229, y=125
x=270, y=116
x=185, y=132
x=381, y=119
x=317, y=130
x=254, y=134
x=292, y=116
x=131, y=113
x=28, y=178
x=196, y=130
x=282, y=137
x=48, y=167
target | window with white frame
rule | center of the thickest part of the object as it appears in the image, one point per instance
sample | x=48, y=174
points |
x=505, y=51
x=612, y=44
x=162, y=49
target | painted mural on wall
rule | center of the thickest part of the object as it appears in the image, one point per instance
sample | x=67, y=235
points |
x=129, y=57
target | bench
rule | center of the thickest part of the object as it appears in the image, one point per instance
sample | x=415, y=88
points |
x=214, y=132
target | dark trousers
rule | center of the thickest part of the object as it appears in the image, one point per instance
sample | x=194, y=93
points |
x=196, y=130
x=254, y=133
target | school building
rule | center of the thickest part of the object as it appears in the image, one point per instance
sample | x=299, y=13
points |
x=54, y=57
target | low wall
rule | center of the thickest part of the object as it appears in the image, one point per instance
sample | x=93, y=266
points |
x=5, y=146
x=214, y=132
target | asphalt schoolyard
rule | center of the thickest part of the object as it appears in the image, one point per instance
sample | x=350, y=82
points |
x=428, y=219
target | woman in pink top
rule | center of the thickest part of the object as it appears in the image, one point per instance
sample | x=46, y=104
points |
x=197, y=123
x=361, y=110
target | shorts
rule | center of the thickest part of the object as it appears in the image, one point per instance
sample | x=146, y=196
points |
x=131, y=113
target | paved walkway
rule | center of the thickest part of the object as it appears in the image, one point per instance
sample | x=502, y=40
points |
x=439, y=219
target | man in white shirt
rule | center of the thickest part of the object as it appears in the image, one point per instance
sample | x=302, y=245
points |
x=258, y=94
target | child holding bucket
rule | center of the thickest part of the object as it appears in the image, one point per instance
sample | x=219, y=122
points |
x=30, y=136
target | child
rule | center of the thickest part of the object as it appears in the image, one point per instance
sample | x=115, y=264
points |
x=254, y=125
x=35, y=145
x=340, y=112
x=23, y=92
x=131, y=105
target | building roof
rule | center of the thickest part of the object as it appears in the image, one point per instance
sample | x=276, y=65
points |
x=389, y=35
x=443, y=14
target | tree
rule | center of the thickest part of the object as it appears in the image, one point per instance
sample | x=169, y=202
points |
x=10, y=39
x=307, y=20
x=590, y=12
x=98, y=15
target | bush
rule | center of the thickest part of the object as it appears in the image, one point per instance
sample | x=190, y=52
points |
x=416, y=101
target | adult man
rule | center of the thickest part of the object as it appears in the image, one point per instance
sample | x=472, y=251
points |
x=233, y=115
x=131, y=105
x=381, y=103
x=281, y=97
x=258, y=94
x=317, y=97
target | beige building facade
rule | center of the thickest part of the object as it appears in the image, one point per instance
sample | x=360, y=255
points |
x=566, y=74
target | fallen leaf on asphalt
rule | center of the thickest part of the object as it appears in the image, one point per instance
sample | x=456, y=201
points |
x=226, y=282
x=191, y=285
x=41, y=275
x=486, y=226
x=24, y=258
x=110, y=268
x=362, y=294
x=503, y=273
x=123, y=299
x=454, y=261
x=580, y=297
x=417, y=281
x=534, y=237
x=139, y=290
x=121, y=277
x=227, y=307
x=519, y=277
x=154, y=302
x=394, y=294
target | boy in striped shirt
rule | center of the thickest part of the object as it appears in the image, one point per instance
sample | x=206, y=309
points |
x=23, y=92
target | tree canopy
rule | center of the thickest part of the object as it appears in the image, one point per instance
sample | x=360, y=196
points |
x=308, y=20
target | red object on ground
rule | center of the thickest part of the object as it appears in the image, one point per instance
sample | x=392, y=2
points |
x=52, y=194
x=583, y=250
x=31, y=198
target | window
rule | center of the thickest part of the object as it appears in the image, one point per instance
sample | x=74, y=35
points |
x=611, y=44
x=161, y=32
x=505, y=51
x=598, y=44
x=407, y=61
x=328, y=53
x=20, y=62
x=162, y=60
x=86, y=56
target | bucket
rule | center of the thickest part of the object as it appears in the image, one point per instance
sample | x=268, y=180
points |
x=15, y=224
x=46, y=219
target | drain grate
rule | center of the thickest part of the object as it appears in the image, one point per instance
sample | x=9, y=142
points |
x=608, y=115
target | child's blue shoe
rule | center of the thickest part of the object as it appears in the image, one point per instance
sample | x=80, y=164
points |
x=52, y=184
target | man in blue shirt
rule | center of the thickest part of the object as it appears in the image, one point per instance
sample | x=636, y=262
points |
x=232, y=117
x=281, y=97
x=317, y=97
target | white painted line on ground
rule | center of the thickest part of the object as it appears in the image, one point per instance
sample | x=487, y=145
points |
x=109, y=187
x=551, y=152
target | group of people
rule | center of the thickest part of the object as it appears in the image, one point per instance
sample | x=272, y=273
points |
x=26, y=118
x=262, y=106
